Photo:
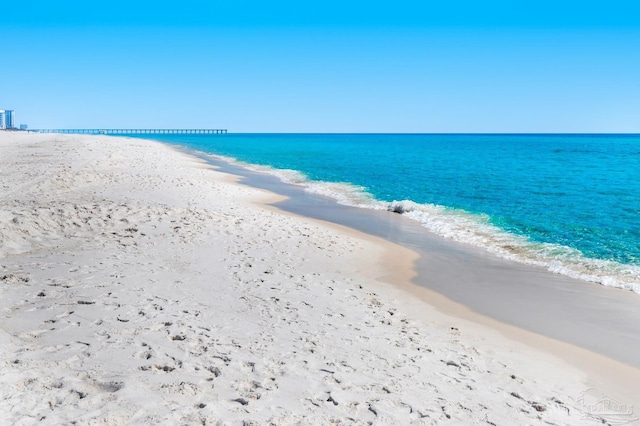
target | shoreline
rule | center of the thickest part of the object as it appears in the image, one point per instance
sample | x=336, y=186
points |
x=296, y=304
x=568, y=344
x=485, y=283
x=464, y=224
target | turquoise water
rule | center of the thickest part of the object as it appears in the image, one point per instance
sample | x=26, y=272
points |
x=568, y=202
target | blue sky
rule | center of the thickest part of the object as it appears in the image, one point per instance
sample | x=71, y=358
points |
x=330, y=66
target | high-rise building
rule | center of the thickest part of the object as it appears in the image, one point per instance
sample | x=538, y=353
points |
x=10, y=119
x=7, y=119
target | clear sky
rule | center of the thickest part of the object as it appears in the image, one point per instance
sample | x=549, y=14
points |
x=324, y=66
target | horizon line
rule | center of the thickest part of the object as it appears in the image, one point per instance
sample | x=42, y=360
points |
x=329, y=133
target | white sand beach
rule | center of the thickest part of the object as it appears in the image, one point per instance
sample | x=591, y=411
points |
x=140, y=286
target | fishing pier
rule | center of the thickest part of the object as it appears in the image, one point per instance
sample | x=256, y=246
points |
x=135, y=131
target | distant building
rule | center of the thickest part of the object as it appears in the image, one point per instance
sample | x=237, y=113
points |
x=10, y=119
x=23, y=127
x=7, y=119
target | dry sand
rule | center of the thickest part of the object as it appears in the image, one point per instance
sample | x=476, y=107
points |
x=139, y=286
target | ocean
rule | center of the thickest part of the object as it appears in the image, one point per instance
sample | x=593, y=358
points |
x=569, y=203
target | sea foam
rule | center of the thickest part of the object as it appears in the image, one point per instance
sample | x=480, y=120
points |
x=468, y=228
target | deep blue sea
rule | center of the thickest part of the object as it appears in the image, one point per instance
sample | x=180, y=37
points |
x=570, y=203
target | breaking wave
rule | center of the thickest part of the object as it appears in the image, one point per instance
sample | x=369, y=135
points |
x=469, y=228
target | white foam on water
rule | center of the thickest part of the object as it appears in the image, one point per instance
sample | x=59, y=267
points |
x=474, y=229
